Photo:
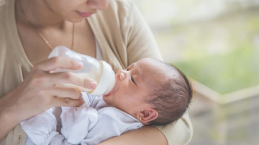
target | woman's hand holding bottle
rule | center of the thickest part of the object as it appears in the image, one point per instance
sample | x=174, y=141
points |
x=42, y=90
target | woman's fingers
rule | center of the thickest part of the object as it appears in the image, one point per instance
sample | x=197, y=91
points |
x=58, y=62
x=72, y=78
x=62, y=96
x=40, y=91
x=65, y=92
x=61, y=78
x=66, y=96
x=67, y=102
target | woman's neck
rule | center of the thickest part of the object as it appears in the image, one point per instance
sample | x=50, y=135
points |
x=38, y=13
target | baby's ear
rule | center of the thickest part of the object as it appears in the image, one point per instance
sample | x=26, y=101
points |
x=147, y=115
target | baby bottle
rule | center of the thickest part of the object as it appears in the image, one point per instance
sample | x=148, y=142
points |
x=100, y=71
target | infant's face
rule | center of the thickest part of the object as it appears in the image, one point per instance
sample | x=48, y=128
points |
x=130, y=92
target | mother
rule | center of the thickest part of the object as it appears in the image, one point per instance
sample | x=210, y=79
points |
x=112, y=30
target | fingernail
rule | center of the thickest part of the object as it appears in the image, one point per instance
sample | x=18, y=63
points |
x=93, y=85
x=82, y=101
x=80, y=64
x=78, y=89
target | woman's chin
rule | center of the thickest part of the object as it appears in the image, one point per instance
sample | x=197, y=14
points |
x=76, y=20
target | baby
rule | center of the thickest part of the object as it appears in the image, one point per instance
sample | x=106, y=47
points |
x=149, y=92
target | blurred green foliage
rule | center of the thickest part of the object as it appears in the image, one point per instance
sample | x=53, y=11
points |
x=225, y=73
x=223, y=54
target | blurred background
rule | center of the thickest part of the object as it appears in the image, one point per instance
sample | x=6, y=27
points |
x=216, y=44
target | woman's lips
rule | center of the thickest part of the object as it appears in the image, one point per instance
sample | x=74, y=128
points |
x=84, y=14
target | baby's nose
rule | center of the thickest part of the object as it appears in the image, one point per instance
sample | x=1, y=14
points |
x=121, y=75
x=98, y=4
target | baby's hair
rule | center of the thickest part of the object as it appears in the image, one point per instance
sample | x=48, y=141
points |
x=172, y=98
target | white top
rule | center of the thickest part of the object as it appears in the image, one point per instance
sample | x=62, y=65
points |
x=88, y=124
x=95, y=121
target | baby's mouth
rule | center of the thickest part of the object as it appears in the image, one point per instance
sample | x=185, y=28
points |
x=112, y=91
x=105, y=95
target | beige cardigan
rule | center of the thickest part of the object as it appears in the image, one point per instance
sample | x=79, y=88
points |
x=124, y=38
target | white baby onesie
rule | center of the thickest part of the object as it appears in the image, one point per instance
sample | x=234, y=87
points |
x=40, y=129
x=88, y=124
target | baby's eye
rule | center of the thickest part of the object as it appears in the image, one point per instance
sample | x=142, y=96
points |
x=133, y=80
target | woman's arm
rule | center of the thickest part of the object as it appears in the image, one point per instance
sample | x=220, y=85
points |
x=147, y=135
x=39, y=91
x=7, y=119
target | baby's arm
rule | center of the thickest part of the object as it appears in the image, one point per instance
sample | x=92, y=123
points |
x=77, y=121
x=40, y=128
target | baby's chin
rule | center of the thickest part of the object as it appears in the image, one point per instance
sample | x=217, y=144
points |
x=107, y=101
